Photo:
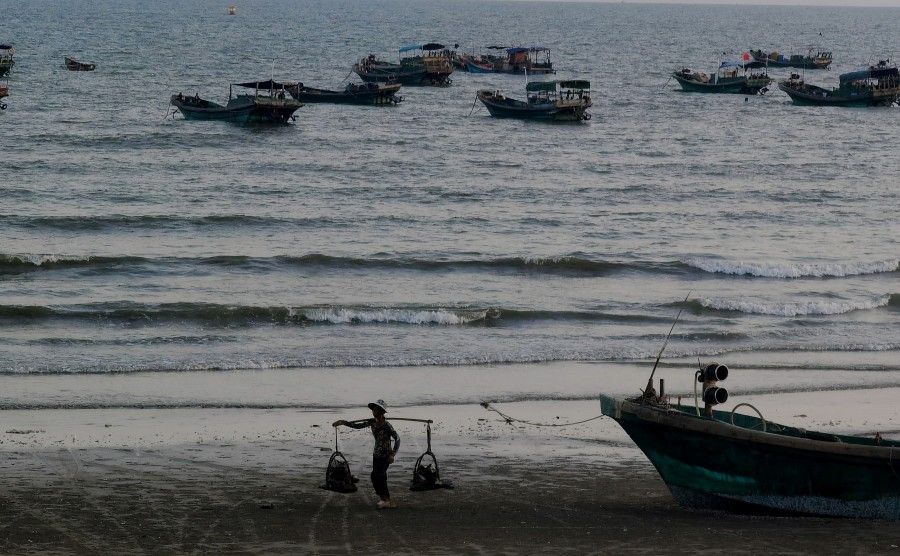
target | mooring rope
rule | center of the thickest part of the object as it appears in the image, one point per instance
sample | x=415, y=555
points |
x=509, y=420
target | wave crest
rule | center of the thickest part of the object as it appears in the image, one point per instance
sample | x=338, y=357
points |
x=791, y=270
x=795, y=309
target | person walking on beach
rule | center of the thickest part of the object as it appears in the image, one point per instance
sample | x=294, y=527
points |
x=383, y=453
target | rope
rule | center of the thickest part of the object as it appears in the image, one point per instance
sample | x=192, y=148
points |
x=509, y=420
x=473, y=106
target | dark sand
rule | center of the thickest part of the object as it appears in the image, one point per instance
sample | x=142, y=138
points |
x=201, y=500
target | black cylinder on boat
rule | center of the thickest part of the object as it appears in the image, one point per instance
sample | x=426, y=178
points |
x=715, y=395
x=712, y=372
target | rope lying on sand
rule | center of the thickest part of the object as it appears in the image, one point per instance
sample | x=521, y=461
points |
x=510, y=420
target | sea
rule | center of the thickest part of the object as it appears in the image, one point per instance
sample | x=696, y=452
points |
x=427, y=250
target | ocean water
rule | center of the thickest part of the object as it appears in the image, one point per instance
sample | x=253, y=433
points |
x=428, y=243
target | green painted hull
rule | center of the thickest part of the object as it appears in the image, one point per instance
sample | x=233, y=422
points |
x=712, y=464
x=242, y=109
x=812, y=95
x=726, y=85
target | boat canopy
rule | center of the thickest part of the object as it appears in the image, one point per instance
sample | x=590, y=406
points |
x=433, y=46
x=871, y=73
x=268, y=84
x=5, y=47
x=408, y=47
x=541, y=86
x=516, y=49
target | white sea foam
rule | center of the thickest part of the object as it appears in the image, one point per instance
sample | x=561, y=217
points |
x=339, y=315
x=757, y=307
x=791, y=270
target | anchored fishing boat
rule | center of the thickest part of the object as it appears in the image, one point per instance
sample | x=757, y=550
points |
x=6, y=58
x=377, y=94
x=878, y=85
x=529, y=60
x=557, y=101
x=268, y=103
x=426, y=64
x=725, y=460
x=75, y=65
x=813, y=59
x=730, y=77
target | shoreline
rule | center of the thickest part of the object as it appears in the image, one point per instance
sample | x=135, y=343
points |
x=243, y=481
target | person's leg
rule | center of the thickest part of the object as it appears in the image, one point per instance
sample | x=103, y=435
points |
x=379, y=478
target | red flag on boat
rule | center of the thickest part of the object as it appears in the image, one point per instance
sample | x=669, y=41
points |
x=745, y=56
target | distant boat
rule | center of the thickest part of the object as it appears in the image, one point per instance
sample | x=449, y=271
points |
x=366, y=93
x=876, y=86
x=6, y=59
x=813, y=59
x=557, y=101
x=232, y=10
x=427, y=64
x=730, y=77
x=728, y=461
x=268, y=103
x=531, y=60
x=75, y=65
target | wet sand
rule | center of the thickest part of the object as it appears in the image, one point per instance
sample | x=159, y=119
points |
x=518, y=490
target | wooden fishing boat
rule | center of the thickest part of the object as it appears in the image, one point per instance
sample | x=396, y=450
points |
x=75, y=65
x=876, y=86
x=724, y=460
x=529, y=60
x=427, y=64
x=6, y=59
x=373, y=70
x=813, y=59
x=730, y=77
x=557, y=101
x=268, y=103
x=365, y=93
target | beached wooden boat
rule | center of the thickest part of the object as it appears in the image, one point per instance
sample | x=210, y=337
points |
x=730, y=77
x=876, y=86
x=427, y=64
x=726, y=460
x=813, y=59
x=6, y=59
x=558, y=101
x=268, y=103
x=365, y=93
x=75, y=65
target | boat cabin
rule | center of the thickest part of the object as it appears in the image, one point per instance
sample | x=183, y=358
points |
x=540, y=92
x=6, y=58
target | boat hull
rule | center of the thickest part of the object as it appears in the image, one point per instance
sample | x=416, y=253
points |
x=729, y=85
x=558, y=111
x=374, y=94
x=712, y=464
x=243, y=109
x=810, y=95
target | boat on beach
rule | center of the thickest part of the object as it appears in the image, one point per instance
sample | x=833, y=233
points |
x=877, y=85
x=269, y=102
x=377, y=94
x=724, y=460
x=730, y=77
x=74, y=65
x=556, y=101
x=813, y=59
x=6, y=59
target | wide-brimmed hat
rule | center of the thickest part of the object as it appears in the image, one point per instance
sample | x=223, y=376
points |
x=380, y=405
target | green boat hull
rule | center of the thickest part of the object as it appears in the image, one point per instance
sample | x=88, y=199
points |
x=812, y=95
x=242, y=109
x=722, y=85
x=712, y=464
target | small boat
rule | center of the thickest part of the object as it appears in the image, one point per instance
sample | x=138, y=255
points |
x=876, y=86
x=6, y=58
x=813, y=59
x=528, y=60
x=723, y=460
x=354, y=93
x=75, y=65
x=232, y=10
x=730, y=77
x=556, y=101
x=427, y=64
x=268, y=103
x=373, y=70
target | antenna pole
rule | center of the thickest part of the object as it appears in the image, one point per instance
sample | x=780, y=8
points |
x=649, y=388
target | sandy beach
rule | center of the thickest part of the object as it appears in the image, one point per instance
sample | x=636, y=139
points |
x=246, y=481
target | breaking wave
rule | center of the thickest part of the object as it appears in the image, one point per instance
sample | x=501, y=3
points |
x=790, y=270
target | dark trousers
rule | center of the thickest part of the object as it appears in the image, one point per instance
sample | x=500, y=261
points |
x=379, y=476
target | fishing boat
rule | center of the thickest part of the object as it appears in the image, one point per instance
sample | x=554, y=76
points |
x=426, y=64
x=724, y=460
x=529, y=60
x=877, y=85
x=730, y=77
x=6, y=58
x=75, y=65
x=269, y=102
x=354, y=93
x=557, y=101
x=813, y=59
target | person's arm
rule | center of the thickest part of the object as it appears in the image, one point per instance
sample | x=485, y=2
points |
x=361, y=424
x=396, y=448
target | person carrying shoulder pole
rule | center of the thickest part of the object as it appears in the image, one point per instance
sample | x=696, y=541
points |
x=383, y=453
